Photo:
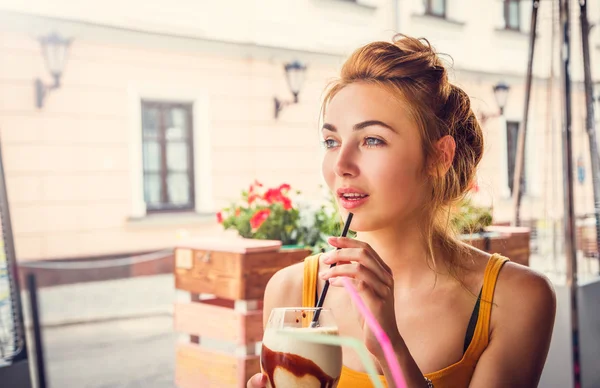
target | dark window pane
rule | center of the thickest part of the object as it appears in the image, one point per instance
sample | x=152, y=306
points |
x=177, y=156
x=512, y=133
x=176, y=124
x=178, y=185
x=152, y=190
x=150, y=121
x=152, y=158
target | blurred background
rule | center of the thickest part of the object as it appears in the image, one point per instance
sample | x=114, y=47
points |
x=127, y=125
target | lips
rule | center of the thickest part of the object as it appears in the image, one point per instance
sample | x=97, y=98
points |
x=351, y=198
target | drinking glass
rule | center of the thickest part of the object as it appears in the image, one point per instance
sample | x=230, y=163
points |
x=290, y=361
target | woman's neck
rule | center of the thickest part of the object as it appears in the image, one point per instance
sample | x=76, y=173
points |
x=405, y=250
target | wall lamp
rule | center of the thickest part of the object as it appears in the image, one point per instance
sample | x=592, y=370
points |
x=54, y=50
x=501, y=94
x=294, y=73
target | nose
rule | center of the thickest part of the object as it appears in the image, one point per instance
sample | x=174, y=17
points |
x=346, y=162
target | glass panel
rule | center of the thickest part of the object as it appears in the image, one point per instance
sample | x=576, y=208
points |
x=150, y=121
x=152, y=189
x=152, y=156
x=176, y=124
x=438, y=7
x=177, y=156
x=513, y=15
x=178, y=187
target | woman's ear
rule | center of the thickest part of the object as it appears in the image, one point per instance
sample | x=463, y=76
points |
x=445, y=148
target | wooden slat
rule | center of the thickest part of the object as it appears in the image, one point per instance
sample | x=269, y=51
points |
x=217, y=273
x=247, y=367
x=258, y=269
x=252, y=326
x=231, y=275
x=209, y=319
x=199, y=367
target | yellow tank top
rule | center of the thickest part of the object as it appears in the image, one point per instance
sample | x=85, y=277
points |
x=456, y=375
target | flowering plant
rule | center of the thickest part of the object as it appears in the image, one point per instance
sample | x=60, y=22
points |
x=320, y=221
x=263, y=213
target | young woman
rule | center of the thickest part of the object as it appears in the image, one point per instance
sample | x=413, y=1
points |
x=401, y=148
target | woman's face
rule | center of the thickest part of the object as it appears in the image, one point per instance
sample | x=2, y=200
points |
x=373, y=159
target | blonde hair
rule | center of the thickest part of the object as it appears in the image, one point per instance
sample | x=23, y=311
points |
x=411, y=70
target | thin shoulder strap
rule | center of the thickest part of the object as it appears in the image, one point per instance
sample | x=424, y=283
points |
x=309, y=284
x=490, y=278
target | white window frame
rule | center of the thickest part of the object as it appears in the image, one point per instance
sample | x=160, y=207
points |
x=136, y=92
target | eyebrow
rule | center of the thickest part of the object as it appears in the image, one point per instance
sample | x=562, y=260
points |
x=361, y=125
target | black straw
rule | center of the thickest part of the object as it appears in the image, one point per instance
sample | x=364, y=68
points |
x=321, y=300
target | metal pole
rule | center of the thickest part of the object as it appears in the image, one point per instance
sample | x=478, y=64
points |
x=567, y=161
x=37, y=332
x=11, y=257
x=589, y=118
x=518, y=178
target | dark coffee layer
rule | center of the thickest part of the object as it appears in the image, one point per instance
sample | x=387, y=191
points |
x=298, y=366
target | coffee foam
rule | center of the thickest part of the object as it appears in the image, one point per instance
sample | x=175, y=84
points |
x=327, y=357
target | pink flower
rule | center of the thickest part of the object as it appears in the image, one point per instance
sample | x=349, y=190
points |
x=220, y=217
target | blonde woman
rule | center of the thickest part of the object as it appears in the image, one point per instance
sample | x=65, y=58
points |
x=402, y=145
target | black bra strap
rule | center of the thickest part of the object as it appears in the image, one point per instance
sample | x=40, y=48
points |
x=472, y=323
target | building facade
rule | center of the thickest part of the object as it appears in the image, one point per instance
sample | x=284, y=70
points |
x=165, y=113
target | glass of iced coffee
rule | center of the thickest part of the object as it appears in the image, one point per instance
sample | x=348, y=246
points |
x=291, y=362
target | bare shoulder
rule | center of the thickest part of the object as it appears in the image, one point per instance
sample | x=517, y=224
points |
x=523, y=312
x=523, y=296
x=520, y=283
x=284, y=289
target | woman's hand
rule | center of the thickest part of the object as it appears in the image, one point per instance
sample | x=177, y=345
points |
x=257, y=381
x=373, y=280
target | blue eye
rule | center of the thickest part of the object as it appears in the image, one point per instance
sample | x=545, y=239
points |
x=329, y=143
x=374, y=142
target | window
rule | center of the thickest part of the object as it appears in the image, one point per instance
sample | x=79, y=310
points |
x=512, y=134
x=435, y=8
x=167, y=152
x=512, y=15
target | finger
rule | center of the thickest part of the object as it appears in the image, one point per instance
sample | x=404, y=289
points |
x=360, y=256
x=346, y=242
x=361, y=276
x=368, y=294
x=257, y=381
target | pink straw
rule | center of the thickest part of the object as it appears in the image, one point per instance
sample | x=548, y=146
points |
x=383, y=339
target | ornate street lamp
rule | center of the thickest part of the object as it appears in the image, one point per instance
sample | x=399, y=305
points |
x=294, y=72
x=54, y=50
x=501, y=93
x=501, y=90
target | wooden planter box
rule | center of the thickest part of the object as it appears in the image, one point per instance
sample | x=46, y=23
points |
x=512, y=242
x=224, y=317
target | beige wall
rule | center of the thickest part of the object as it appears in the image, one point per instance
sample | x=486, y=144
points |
x=328, y=26
x=73, y=168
